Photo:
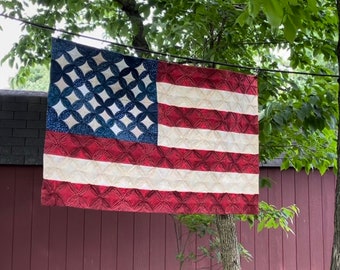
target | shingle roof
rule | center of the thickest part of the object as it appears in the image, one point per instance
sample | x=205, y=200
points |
x=22, y=127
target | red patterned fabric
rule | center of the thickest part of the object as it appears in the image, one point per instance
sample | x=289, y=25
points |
x=136, y=200
x=207, y=78
x=130, y=134
x=207, y=119
x=102, y=149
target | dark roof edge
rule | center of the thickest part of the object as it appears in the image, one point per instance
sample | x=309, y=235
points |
x=32, y=133
x=22, y=127
x=26, y=93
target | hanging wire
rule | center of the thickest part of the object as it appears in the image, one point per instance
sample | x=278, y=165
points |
x=256, y=69
x=191, y=59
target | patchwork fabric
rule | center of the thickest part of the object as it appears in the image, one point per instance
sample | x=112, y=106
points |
x=131, y=134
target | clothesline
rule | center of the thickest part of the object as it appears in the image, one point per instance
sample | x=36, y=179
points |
x=191, y=59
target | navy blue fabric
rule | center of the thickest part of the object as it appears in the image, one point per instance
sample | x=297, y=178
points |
x=116, y=91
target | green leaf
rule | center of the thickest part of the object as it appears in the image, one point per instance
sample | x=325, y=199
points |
x=255, y=7
x=290, y=29
x=261, y=225
x=293, y=2
x=274, y=12
x=312, y=5
x=265, y=182
x=243, y=18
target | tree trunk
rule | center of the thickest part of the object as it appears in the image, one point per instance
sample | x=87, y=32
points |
x=335, y=265
x=131, y=9
x=225, y=224
x=230, y=254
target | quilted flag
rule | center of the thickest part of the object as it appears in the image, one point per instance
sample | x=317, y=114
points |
x=131, y=134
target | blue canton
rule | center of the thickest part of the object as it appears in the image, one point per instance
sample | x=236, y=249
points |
x=101, y=93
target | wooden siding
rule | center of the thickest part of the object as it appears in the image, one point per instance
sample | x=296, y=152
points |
x=311, y=246
x=42, y=238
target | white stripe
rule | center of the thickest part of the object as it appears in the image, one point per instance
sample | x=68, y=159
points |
x=203, y=139
x=201, y=98
x=84, y=171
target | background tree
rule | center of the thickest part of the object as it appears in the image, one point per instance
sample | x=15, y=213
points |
x=298, y=113
x=37, y=80
x=335, y=263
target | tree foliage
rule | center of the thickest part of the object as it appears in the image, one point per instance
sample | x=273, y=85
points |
x=37, y=80
x=269, y=217
x=298, y=113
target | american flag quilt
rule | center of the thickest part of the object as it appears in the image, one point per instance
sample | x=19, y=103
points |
x=131, y=134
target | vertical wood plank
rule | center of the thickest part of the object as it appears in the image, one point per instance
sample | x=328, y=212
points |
x=328, y=202
x=75, y=239
x=248, y=242
x=109, y=241
x=315, y=221
x=23, y=218
x=275, y=236
x=146, y=241
x=157, y=241
x=92, y=238
x=7, y=196
x=125, y=241
x=57, y=240
x=289, y=239
x=188, y=245
x=203, y=262
x=215, y=264
x=141, y=260
x=261, y=253
x=171, y=245
x=302, y=222
x=40, y=226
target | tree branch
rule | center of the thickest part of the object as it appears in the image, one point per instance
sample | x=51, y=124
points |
x=130, y=8
x=335, y=262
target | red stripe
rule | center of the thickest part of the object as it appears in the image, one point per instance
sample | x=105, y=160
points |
x=56, y=193
x=111, y=150
x=173, y=116
x=207, y=78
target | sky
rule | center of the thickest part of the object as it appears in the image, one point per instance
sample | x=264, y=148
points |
x=9, y=35
x=11, y=31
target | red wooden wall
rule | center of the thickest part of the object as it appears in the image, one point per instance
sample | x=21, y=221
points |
x=41, y=238
x=310, y=248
